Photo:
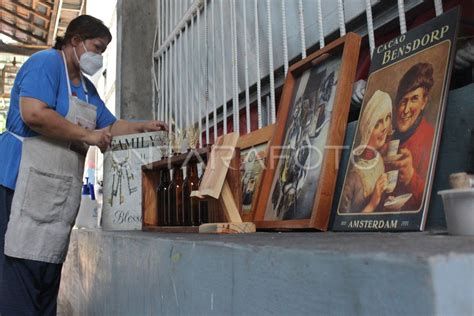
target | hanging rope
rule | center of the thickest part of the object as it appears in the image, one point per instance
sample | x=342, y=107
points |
x=342, y=20
x=235, y=83
x=193, y=118
x=302, y=32
x=285, y=36
x=187, y=63
x=214, y=93
x=246, y=70
x=199, y=116
x=401, y=14
x=438, y=4
x=224, y=89
x=257, y=53
x=271, y=67
x=370, y=26
x=206, y=95
x=320, y=25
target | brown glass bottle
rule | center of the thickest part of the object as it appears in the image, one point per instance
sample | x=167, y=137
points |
x=203, y=205
x=162, y=197
x=191, y=205
x=176, y=197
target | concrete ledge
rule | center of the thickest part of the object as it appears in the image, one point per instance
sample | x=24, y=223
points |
x=137, y=273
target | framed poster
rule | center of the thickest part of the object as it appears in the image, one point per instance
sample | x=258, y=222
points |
x=301, y=168
x=253, y=152
x=388, y=181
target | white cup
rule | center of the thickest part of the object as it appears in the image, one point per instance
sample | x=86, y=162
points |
x=393, y=147
x=392, y=177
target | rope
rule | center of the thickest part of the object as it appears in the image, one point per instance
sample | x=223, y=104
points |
x=438, y=4
x=303, y=35
x=285, y=36
x=246, y=68
x=257, y=50
x=342, y=20
x=224, y=89
x=193, y=117
x=200, y=77
x=401, y=14
x=320, y=25
x=235, y=83
x=206, y=95
x=271, y=67
x=370, y=26
x=214, y=93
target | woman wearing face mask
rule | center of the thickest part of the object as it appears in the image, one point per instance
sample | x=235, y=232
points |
x=55, y=114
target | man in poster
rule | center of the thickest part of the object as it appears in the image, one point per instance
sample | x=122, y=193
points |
x=414, y=132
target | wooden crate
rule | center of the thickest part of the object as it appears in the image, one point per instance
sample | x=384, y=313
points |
x=151, y=179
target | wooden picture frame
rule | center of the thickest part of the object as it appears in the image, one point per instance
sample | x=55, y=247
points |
x=313, y=112
x=254, y=144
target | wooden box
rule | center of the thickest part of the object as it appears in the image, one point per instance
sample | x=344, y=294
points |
x=150, y=181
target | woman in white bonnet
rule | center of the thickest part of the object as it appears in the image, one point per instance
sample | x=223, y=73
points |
x=366, y=180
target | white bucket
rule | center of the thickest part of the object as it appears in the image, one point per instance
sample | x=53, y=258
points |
x=459, y=210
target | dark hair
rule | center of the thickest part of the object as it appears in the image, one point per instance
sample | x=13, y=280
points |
x=86, y=27
x=418, y=76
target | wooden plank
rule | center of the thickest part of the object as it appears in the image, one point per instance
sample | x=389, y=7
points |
x=150, y=181
x=229, y=207
x=218, y=164
x=233, y=179
x=227, y=228
x=31, y=10
x=19, y=17
x=27, y=33
x=53, y=25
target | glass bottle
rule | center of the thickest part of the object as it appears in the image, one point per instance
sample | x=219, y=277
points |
x=171, y=210
x=162, y=197
x=191, y=205
x=203, y=205
x=176, y=193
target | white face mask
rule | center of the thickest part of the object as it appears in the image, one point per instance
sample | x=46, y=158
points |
x=90, y=62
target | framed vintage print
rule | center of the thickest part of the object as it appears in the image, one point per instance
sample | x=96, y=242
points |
x=253, y=152
x=388, y=180
x=301, y=169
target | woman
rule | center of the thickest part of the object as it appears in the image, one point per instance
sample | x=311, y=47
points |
x=55, y=114
x=366, y=180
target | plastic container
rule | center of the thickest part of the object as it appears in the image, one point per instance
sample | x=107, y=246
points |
x=459, y=210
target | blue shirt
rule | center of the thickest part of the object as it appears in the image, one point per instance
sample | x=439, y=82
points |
x=41, y=77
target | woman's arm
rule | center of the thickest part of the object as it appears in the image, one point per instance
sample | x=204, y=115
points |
x=49, y=123
x=123, y=127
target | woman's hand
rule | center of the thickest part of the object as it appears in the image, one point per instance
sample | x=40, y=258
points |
x=380, y=187
x=100, y=138
x=154, y=125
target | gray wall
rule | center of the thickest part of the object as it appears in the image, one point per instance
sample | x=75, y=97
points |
x=136, y=21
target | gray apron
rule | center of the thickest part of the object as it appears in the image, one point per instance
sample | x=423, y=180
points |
x=48, y=190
